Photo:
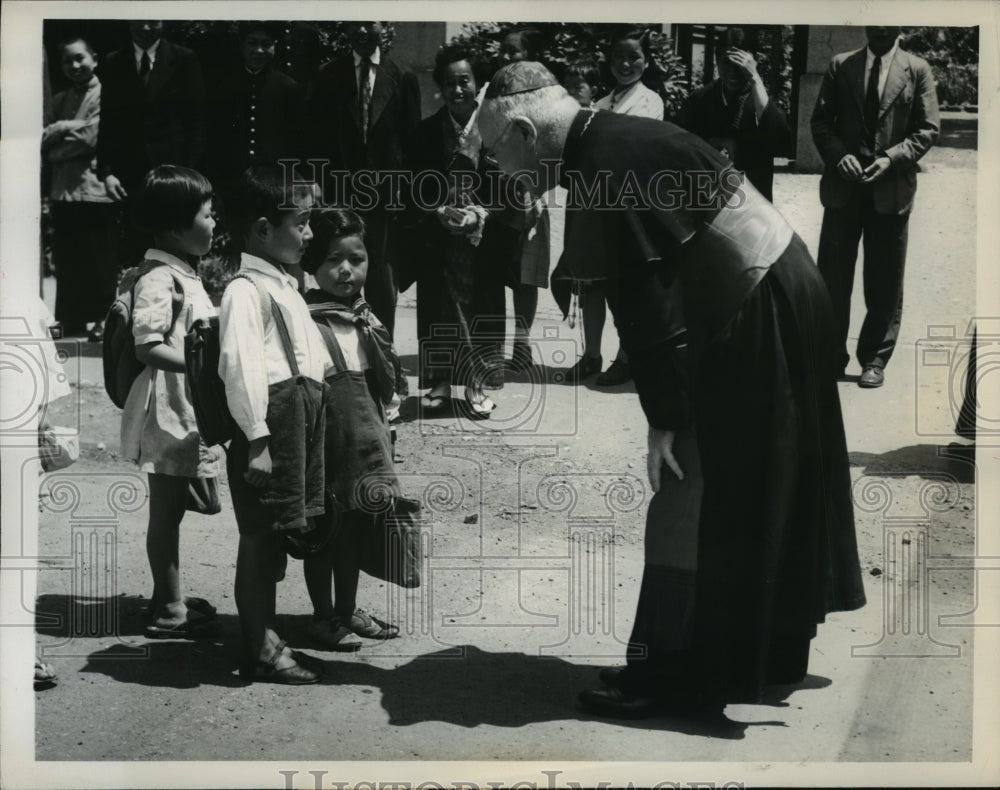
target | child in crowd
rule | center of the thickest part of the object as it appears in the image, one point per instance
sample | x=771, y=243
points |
x=359, y=468
x=582, y=81
x=84, y=251
x=159, y=431
x=272, y=361
x=629, y=59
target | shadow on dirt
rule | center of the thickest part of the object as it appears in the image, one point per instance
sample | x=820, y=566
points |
x=929, y=461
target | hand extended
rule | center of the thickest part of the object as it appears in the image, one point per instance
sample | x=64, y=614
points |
x=876, y=169
x=661, y=449
x=259, y=469
x=115, y=189
x=850, y=168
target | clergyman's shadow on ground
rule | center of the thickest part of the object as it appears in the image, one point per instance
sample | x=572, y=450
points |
x=468, y=687
x=463, y=685
x=930, y=461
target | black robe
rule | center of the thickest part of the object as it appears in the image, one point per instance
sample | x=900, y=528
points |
x=752, y=143
x=739, y=353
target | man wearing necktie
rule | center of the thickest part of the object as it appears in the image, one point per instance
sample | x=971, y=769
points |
x=152, y=113
x=362, y=109
x=875, y=117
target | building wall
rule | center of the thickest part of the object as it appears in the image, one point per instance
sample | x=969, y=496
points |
x=824, y=42
x=414, y=46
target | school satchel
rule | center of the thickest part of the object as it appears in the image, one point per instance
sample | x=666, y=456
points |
x=392, y=550
x=202, y=349
x=208, y=392
x=121, y=366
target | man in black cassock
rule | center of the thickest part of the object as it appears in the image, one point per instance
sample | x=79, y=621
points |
x=750, y=535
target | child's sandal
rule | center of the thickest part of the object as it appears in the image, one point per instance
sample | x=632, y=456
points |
x=363, y=624
x=268, y=672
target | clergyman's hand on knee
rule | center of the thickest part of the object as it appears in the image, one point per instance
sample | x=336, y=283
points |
x=661, y=451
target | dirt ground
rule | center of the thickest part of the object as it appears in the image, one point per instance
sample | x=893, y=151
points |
x=535, y=522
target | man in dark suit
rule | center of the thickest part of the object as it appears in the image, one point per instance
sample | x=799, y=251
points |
x=152, y=109
x=876, y=115
x=152, y=113
x=257, y=113
x=361, y=112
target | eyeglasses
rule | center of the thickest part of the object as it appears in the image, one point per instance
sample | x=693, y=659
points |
x=503, y=136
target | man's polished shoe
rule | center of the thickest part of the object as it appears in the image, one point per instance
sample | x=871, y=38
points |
x=871, y=377
x=615, y=704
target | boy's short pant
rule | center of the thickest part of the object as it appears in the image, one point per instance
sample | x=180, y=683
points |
x=296, y=419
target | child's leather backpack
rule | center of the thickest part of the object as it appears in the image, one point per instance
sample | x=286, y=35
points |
x=121, y=365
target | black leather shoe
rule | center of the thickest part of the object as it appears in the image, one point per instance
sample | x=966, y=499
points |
x=871, y=377
x=614, y=704
x=617, y=373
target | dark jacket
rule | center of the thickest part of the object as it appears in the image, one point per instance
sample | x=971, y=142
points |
x=253, y=119
x=752, y=143
x=335, y=120
x=161, y=122
x=908, y=125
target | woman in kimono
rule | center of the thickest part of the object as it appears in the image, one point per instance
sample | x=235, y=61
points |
x=460, y=299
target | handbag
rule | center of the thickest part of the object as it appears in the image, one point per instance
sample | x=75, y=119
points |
x=392, y=550
x=203, y=496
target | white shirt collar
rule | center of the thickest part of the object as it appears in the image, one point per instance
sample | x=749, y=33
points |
x=161, y=256
x=152, y=51
x=252, y=263
x=375, y=57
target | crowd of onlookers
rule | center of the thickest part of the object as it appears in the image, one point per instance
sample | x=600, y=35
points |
x=150, y=103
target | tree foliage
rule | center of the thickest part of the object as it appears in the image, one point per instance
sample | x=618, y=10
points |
x=953, y=55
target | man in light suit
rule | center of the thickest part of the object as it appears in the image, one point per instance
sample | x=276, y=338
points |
x=362, y=110
x=875, y=117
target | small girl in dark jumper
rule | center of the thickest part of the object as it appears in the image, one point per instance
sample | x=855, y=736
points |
x=360, y=476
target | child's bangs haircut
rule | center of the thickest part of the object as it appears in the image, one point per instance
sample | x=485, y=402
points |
x=585, y=69
x=170, y=198
x=327, y=225
x=268, y=191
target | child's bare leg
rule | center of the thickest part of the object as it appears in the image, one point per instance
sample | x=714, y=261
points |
x=318, y=571
x=346, y=573
x=167, y=499
x=255, y=592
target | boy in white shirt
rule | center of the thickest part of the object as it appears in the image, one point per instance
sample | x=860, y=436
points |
x=275, y=391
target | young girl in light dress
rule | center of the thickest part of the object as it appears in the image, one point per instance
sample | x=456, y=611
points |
x=159, y=431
